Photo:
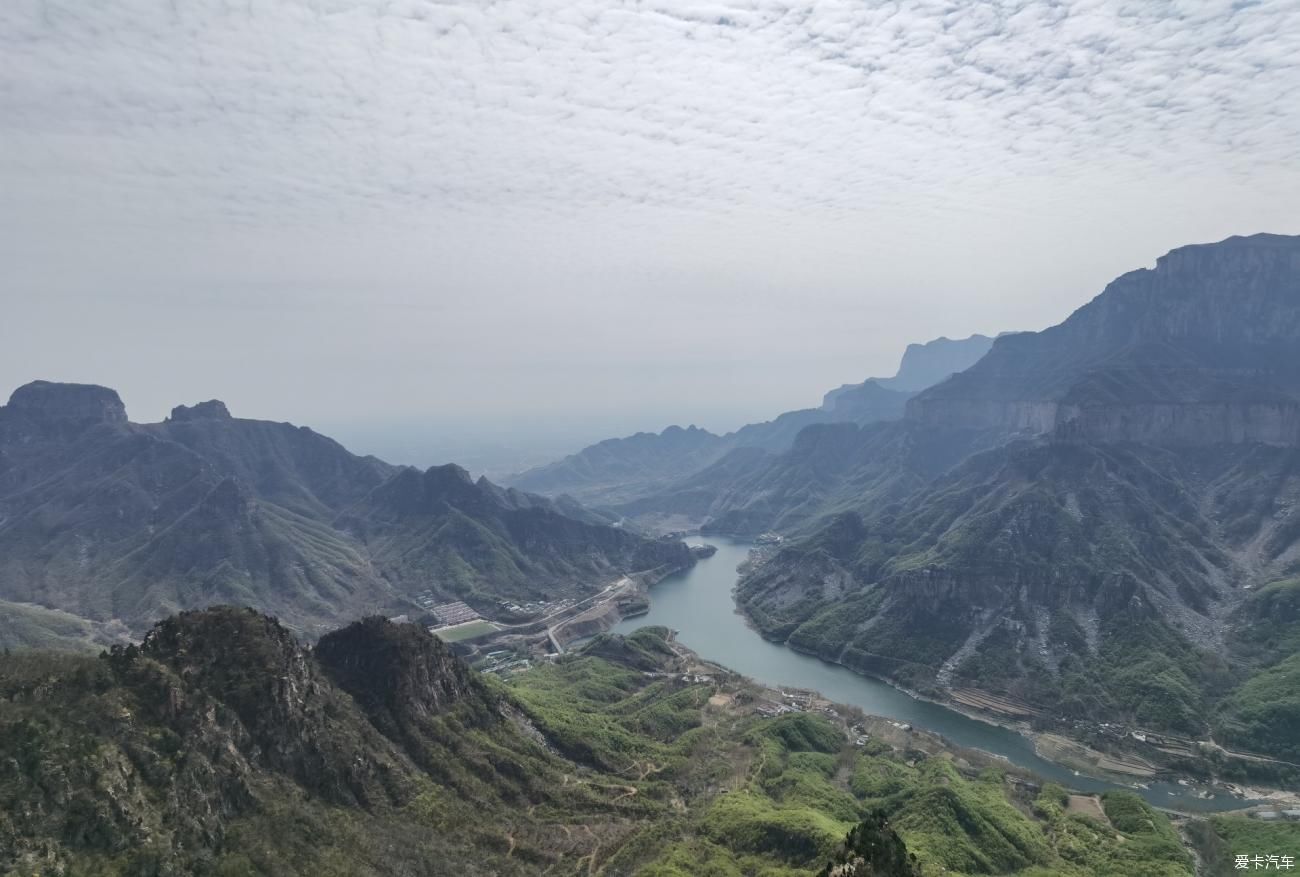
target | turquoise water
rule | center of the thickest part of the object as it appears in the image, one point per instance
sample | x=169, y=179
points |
x=698, y=604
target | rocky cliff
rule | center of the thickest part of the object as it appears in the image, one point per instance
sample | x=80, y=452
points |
x=1204, y=348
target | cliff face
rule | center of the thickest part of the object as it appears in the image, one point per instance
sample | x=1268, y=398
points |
x=1194, y=423
x=924, y=365
x=1202, y=349
x=65, y=408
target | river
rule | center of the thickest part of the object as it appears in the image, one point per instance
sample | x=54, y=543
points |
x=698, y=604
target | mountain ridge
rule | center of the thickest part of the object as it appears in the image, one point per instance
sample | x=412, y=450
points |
x=109, y=519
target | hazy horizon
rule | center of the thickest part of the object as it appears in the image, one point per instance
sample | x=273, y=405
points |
x=412, y=225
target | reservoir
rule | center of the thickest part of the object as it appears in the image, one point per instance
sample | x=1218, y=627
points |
x=698, y=604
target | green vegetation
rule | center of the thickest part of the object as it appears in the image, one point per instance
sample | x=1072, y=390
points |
x=23, y=626
x=472, y=630
x=1263, y=715
x=777, y=796
x=872, y=849
x=225, y=748
x=1070, y=572
x=1220, y=839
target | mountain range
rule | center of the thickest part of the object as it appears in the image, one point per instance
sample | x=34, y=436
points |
x=1095, y=520
x=1092, y=526
x=620, y=475
x=114, y=521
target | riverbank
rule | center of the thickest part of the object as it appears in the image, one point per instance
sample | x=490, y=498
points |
x=1127, y=769
x=700, y=605
x=1118, y=764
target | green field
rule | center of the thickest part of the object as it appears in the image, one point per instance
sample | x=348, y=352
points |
x=468, y=630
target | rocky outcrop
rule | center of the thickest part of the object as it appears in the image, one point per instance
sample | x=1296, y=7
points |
x=398, y=673
x=213, y=409
x=1195, y=423
x=248, y=663
x=925, y=365
x=44, y=411
x=48, y=402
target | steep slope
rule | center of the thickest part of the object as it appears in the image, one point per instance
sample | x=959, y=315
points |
x=108, y=519
x=1104, y=566
x=442, y=531
x=222, y=746
x=933, y=362
x=867, y=402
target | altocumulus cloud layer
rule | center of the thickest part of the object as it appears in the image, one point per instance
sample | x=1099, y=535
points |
x=605, y=205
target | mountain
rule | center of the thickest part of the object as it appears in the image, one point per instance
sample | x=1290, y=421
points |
x=481, y=542
x=867, y=402
x=113, y=520
x=1091, y=521
x=924, y=365
x=1200, y=349
x=616, y=469
x=639, y=476
x=221, y=745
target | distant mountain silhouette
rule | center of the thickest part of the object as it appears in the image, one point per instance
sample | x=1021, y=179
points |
x=620, y=474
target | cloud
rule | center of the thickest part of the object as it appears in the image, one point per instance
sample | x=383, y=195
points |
x=275, y=111
x=565, y=206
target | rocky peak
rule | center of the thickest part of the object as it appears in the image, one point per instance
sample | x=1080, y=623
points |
x=924, y=365
x=48, y=402
x=412, y=492
x=213, y=409
x=238, y=656
x=398, y=672
x=291, y=719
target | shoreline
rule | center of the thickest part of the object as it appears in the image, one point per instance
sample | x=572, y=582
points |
x=1248, y=796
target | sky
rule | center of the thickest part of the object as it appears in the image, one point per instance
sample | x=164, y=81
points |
x=440, y=227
